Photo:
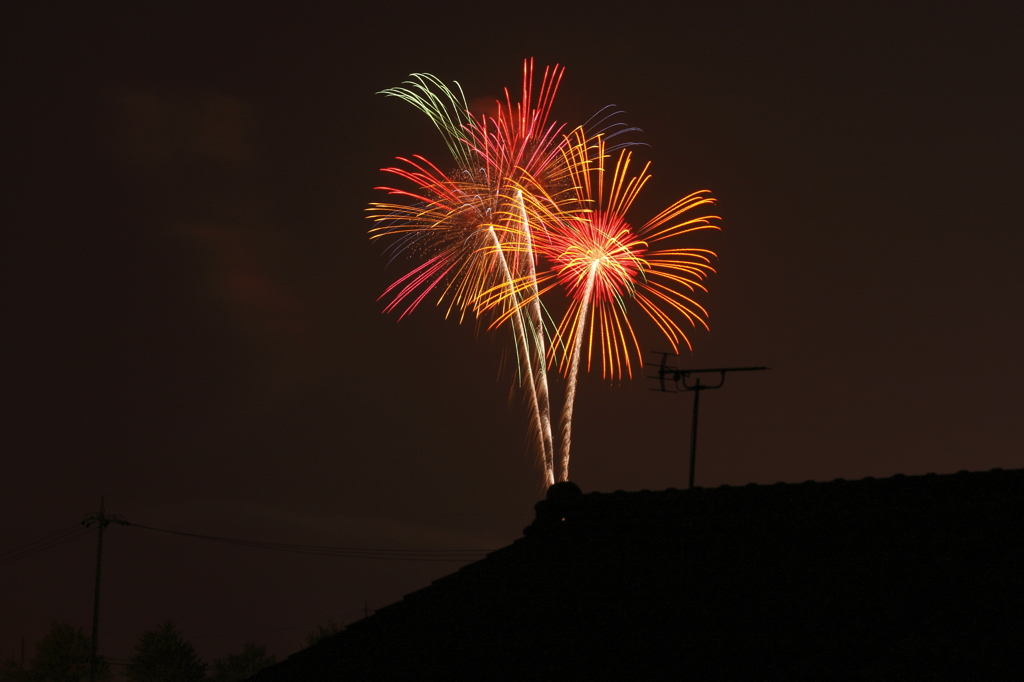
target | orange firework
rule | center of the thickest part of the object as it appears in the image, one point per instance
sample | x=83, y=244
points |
x=602, y=262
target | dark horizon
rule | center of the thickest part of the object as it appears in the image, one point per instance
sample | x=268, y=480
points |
x=197, y=336
x=895, y=578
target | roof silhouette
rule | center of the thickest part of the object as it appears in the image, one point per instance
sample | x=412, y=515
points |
x=900, y=578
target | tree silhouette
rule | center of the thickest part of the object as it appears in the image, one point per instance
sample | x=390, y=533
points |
x=13, y=670
x=322, y=632
x=163, y=655
x=63, y=655
x=241, y=666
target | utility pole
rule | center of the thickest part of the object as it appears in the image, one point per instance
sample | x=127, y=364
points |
x=683, y=382
x=101, y=520
x=697, y=388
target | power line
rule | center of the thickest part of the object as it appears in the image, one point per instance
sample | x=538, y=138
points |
x=43, y=544
x=74, y=532
x=345, y=552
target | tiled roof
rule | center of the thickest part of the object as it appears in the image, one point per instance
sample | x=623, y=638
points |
x=872, y=579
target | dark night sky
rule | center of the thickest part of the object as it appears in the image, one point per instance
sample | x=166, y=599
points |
x=192, y=327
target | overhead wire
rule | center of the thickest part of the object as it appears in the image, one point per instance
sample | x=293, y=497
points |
x=459, y=555
x=74, y=532
x=44, y=543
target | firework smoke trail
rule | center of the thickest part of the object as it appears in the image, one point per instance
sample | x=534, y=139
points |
x=539, y=366
x=519, y=142
x=517, y=145
x=456, y=219
x=541, y=410
x=570, y=391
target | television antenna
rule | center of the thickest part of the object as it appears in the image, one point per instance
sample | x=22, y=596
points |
x=673, y=379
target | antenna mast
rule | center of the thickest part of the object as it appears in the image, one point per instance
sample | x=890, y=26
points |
x=682, y=381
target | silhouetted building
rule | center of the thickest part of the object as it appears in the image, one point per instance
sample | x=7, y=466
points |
x=900, y=578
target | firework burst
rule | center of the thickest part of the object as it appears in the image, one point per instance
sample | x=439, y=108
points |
x=603, y=262
x=527, y=210
x=459, y=222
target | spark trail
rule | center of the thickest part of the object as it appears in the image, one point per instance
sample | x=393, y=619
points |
x=570, y=391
